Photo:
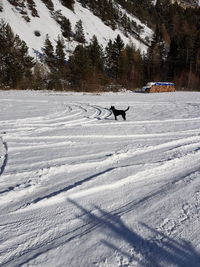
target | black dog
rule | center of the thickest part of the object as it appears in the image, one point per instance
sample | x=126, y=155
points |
x=118, y=112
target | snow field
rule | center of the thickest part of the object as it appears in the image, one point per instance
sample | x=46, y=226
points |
x=78, y=188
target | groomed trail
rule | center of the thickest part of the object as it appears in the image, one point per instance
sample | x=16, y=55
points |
x=78, y=188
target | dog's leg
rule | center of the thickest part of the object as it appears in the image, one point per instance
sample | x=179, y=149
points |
x=124, y=116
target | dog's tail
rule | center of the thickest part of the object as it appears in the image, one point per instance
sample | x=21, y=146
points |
x=127, y=109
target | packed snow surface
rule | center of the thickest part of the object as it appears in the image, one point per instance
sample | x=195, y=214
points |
x=78, y=188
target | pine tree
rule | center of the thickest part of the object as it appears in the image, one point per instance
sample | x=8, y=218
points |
x=66, y=28
x=16, y=64
x=118, y=44
x=96, y=53
x=156, y=56
x=32, y=7
x=108, y=60
x=196, y=54
x=123, y=68
x=80, y=67
x=60, y=57
x=49, y=55
x=49, y=4
x=172, y=59
x=40, y=75
x=116, y=53
x=68, y=3
x=79, y=32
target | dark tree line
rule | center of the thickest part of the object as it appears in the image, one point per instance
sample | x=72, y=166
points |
x=90, y=67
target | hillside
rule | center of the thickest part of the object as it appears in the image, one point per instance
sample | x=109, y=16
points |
x=33, y=20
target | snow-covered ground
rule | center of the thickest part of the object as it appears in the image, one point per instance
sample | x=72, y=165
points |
x=78, y=188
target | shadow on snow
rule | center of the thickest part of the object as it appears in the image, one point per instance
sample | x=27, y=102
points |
x=159, y=250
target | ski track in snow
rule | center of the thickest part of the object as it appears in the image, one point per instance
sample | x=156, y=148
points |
x=73, y=177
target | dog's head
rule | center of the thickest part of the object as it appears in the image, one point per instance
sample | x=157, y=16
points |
x=112, y=108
